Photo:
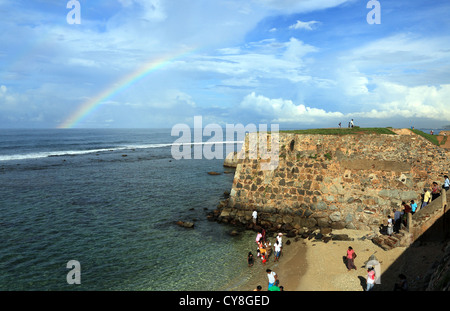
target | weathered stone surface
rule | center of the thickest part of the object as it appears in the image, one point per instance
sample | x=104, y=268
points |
x=342, y=182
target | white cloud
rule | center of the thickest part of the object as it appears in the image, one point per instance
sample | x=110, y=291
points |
x=266, y=59
x=283, y=110
x=396, y=100
x=300, y=6
x=303, y=25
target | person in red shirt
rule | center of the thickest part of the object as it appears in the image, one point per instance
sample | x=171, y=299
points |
x=435, y=191
x=351, y=255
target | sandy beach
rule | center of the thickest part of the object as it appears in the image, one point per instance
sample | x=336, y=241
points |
x=310, y=265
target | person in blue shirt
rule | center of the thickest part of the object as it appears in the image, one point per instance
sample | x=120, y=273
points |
x=413, y=206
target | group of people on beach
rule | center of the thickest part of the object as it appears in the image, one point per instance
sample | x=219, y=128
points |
x=401, y=216
x=264, y=250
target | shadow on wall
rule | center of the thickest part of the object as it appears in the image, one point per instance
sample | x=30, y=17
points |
x=421, y=259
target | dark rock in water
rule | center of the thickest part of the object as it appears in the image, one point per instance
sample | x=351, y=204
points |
x=213, y=173
x=234, y=233
x=185, y=224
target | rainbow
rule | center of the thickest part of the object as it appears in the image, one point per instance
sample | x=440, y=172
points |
x=92, y=104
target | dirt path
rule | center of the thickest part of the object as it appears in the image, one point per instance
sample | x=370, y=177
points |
x=446, y=145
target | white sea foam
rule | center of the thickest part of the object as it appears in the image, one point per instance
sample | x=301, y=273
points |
x=46, y=154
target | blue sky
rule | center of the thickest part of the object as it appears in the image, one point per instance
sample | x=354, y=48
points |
x=297, y=63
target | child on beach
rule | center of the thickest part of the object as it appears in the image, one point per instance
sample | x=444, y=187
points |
x=250, y=259
x=370, y=278
x=264, y=259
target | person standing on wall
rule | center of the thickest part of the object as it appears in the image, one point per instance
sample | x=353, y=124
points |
x=446, y=184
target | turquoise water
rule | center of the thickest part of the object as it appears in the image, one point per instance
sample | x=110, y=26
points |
x=110, y=199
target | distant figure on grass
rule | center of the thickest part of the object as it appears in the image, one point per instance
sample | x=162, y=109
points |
x=351, y=255
x=351, y=123
x=272, y=277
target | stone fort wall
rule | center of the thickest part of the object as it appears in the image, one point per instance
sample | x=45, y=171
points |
x=330, y=181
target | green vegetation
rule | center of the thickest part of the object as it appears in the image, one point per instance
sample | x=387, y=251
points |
x=344, y=131
x=433, y=139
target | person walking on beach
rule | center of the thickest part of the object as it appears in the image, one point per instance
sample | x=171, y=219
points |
x=280, y=242
x=272, y=277
x=277, y=248
x=370, y=279
x=351, y=255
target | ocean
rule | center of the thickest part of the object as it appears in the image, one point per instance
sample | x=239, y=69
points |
x=109, y=199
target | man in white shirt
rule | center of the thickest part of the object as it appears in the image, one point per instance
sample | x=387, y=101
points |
x=272, y=276
x=279, y=240
x=277, y=248
x=254, y=215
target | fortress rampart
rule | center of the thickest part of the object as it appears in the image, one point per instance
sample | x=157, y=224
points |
x=333, y=181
